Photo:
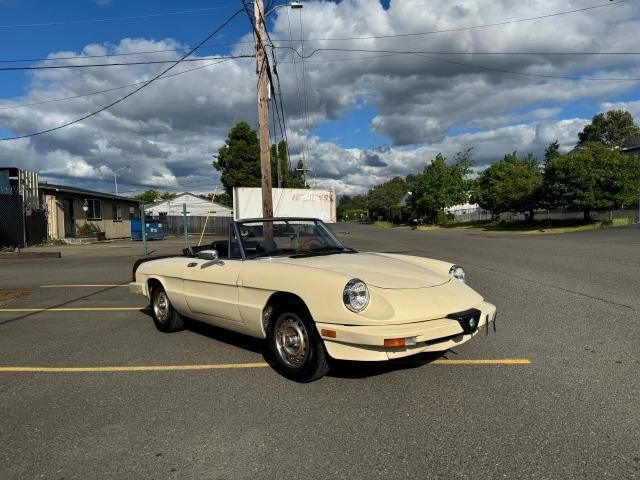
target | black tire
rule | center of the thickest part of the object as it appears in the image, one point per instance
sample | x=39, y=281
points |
x=166, y=318
x=295, y=346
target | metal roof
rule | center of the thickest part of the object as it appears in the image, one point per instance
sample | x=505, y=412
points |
x=50, y=187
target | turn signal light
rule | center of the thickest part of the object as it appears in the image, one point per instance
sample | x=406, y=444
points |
x=328, y=333
x=394, y=342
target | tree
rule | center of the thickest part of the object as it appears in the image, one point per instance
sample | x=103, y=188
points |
x=148, y=196
x=239, y=159
x=440, y=186
x=222, y=198
x=298, y=172
x=552, y=150
x=352, y=208
x=611, y=128
x=511, y=184
x=290, y=179
x=384, y=199
x=595, y=177
x=167, y=196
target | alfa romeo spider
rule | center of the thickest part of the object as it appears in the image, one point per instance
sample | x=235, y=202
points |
x=292, y=282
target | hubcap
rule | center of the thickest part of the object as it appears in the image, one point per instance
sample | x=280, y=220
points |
x=161, y=307
x=291, y=340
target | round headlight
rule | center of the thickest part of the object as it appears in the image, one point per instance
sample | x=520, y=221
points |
x=458, y=273
x=355, y=295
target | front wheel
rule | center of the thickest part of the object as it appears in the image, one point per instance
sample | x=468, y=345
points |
x=296, y=347
x=166, y=318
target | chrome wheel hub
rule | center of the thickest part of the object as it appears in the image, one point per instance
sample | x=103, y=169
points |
x=291, y=340
x=161, y=307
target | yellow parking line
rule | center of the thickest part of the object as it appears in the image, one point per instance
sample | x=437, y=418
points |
x=82, y=286
x=152, y=368
x=500, y=361
x=70, y=309
x=221, y=366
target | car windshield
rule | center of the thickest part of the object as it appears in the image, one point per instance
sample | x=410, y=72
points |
x=293, y=238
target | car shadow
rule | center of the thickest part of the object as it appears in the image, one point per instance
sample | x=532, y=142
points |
x=239, y=340
x=359, y=370
x=229, y=337
x=345, y=369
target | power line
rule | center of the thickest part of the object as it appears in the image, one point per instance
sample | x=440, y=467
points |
x=282, y=121
x=471, y=27
x=281, y=118
x=53, y=100
x=307, y=160
x=469, y=65
x=196, y=183
x=450, y=52
x=300, y=99
x=389, y=53
x=111, y=55
x=122, y=64
x=130, y=17
x=267, y=70
x=130, y=93
x=82, y=57
x=308, y=40
x=539, y=75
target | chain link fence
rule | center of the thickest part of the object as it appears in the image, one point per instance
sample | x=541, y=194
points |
x=213, y=226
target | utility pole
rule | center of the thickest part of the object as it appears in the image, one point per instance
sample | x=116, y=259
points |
x=304, y=171
x=263, y=112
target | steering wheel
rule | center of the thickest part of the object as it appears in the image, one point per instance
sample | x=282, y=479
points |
x=309, y=244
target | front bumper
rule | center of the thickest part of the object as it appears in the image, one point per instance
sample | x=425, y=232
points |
x=366, y=343
x=138, y=288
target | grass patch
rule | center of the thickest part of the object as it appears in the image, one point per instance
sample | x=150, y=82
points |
x=521, y=226
x=52, y=243
x=9, y=294
x=387, y=224
x=540, y=226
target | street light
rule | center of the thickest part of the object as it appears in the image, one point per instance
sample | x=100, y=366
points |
x=292, y=5
x=115, y=175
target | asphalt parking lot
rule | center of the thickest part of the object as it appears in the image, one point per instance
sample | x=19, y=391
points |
x=89, y=388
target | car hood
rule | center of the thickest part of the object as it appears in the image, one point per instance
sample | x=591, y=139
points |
x=374, y=269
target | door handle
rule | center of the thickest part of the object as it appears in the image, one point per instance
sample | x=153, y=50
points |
x=192, y=264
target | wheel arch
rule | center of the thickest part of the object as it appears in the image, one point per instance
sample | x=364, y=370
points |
x=152, y=283
x=279, y=300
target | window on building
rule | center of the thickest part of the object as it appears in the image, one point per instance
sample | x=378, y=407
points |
x=94, y=212
x=117, y=213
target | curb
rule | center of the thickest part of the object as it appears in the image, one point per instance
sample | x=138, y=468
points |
x=18, y=255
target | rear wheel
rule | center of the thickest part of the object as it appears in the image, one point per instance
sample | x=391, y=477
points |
x=166, y=318
x=295, y=345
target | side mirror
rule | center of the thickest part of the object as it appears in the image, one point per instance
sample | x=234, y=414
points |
x=208, y=255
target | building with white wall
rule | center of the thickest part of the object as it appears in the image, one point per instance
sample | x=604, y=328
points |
x=196, y=207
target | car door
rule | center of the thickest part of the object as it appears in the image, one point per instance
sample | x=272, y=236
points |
x=211, y=290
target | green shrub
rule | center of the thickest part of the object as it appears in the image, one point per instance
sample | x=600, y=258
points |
x=442, y=218
x=86, y=230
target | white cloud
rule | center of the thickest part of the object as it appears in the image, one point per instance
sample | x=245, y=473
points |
x=168, y=131
x=633, y=107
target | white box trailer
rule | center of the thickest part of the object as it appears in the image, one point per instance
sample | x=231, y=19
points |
x=287, y=202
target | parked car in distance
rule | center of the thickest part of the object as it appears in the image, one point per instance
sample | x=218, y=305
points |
x=293, y=283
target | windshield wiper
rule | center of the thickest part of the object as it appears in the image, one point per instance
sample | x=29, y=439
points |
x=323, y=251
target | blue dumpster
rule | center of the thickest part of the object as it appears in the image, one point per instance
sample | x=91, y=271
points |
x=154, y=230
x=136, y=229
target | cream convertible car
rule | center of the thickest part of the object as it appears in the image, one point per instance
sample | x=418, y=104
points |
x=291, y=281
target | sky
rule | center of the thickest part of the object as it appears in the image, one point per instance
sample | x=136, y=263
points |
x=381, y=91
